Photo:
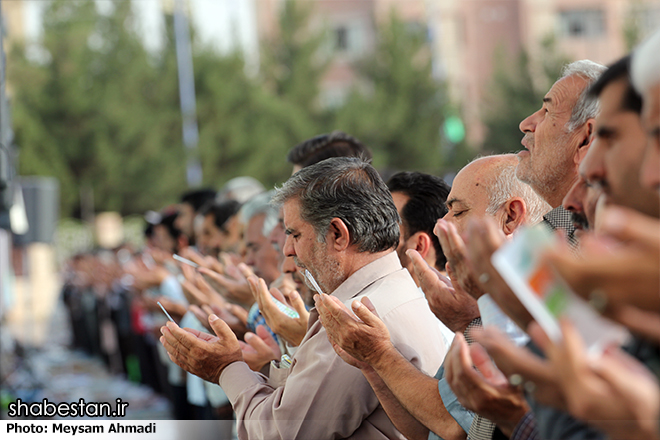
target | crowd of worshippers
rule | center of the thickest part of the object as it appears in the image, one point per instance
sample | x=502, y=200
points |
x=340, y=305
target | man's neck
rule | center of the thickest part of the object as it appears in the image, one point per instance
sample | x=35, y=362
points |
x=356, y=261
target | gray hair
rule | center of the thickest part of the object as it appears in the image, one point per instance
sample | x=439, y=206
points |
x=507, y=186
x=260, y=204
x=585, y=107
x=645, y=66
x=350, y=189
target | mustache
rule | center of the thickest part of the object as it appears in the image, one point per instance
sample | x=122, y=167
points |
x=579, y=219
x=298, y=263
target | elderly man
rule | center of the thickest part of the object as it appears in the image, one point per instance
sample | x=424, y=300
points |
x=410, y=397
x=342, y=227
x=613, y=163
x=557, y=137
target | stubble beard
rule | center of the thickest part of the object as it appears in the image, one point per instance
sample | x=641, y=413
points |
x=545, y=178
x=325, y=269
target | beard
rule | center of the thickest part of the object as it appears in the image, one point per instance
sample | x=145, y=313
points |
x=324, y=268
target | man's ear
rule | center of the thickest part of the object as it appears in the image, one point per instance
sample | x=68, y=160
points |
x=586, y=134
x=422, y=242
x=338, y=235
x=515, y=213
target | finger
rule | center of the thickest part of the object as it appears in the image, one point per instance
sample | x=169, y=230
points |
x=278, y=295
x=245, y=270
x=456, y=243
x=238, y=312
x=215, y=276
x=268, y=339
x=367, y=302
x=485, y=365
x=423, y=272
x=221, y=329
x=187, y=271
x=253, y=282
x=174, y=355
x=366, y=315
x=297, y=303
x=194, y=295
x=538, y=335
x=629, y=225
x=173, y=339
x=193, y=256
x=199, y=313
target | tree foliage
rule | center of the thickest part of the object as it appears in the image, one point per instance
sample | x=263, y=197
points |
x=517, y=91
x=402, y=109
x=97, y=110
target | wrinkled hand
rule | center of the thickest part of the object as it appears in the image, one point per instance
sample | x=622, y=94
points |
x=364, y=338
x=144, y=277
x=615, y=393
x=291, y=329
x=485, y=390
x=258, y=350
x=457, y=262
x=539, y=376
x=234, y=316
x=199, y=353
x=198, y=290
x=455, y=308
x=234, y=283
x=485, y=239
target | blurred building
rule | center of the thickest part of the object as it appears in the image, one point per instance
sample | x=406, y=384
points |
x=466, y=35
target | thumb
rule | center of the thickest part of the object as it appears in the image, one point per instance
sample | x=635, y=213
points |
x=367, y=302
x=220, y=327
x=297, y=303
x=366, y=315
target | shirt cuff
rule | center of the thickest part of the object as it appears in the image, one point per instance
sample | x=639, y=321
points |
x=236, y=378
x=526, y=428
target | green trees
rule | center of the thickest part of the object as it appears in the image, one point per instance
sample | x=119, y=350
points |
x=401, y=113
x=516, y=92
x=99, y=112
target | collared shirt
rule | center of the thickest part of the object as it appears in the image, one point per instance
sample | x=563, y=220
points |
x=560, y=218
x=462, y=415
x=320, y=396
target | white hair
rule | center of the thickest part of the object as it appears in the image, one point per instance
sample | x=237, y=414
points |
x=506, y=186
x=240, y=189
x=645, y=64
x=260, y=204
x=585, y=107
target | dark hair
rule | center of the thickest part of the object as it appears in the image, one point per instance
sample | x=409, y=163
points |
x=221, y=212
x=350, y=189
x=631, y=100
x=325, y=146
x=168, y=222
x=198, y=198
x=426, y=204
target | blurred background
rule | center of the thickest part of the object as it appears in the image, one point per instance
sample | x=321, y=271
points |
x=112, y=108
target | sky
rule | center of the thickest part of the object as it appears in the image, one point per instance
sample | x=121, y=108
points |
x=221, y=24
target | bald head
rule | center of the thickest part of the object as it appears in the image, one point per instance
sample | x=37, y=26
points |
x=488, y=186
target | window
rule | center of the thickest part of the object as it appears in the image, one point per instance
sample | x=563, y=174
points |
x=582, y=23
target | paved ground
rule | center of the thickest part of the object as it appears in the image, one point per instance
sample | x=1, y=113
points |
x=59, y=374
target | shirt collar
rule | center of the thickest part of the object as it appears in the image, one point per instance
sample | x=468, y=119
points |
x=367, y=275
